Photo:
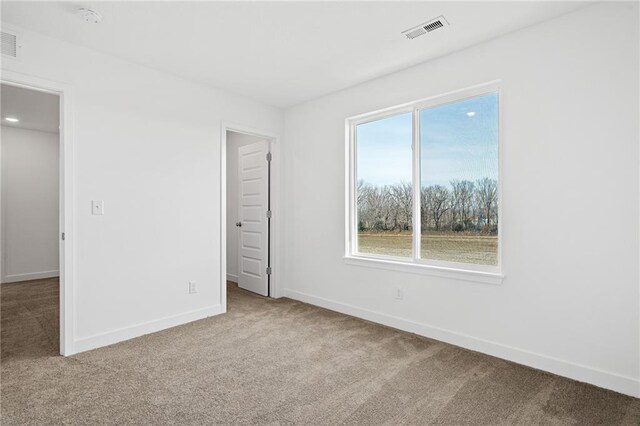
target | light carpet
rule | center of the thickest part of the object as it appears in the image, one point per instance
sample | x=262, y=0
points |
x=274, y=362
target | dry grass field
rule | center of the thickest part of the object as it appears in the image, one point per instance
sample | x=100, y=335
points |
x=452, y=247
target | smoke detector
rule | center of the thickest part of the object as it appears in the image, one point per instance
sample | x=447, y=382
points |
x=89, y=15
x=426, y=27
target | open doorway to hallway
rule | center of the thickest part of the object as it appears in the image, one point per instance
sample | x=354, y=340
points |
x=30, y=217
x=248, y=212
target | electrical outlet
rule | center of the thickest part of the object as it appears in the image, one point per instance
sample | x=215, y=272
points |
x=193, y=287
x=97, y=207
x=399, y=293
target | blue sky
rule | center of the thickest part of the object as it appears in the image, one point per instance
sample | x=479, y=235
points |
x=454, y=145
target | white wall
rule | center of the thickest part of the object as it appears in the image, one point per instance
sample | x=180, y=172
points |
x=570, y=300
x=234, y=141
x=148, y=144
x=29, y=204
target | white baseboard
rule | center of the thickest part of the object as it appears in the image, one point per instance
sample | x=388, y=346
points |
x=232, y=277
x=582, y=373
x=29, y=276
x=126, y=333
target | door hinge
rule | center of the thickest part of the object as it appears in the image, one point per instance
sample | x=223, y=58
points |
x=268, y=214
x=268, y=270
x=63, y=236
x=268, y=156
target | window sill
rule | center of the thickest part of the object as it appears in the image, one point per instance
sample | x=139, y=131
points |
x=422, y=269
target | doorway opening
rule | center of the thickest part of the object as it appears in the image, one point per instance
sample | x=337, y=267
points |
x=248, y=212
x=30, y=222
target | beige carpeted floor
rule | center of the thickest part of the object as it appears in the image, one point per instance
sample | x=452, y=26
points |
x=275, y=362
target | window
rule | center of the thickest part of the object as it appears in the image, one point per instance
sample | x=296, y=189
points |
x=385, y=188
x=424, y=183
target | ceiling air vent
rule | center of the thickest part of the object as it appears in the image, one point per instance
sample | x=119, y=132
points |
x=426, y=27
x=9, y=44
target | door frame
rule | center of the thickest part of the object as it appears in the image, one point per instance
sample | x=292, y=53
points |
x=66, y=198
x=276, y=268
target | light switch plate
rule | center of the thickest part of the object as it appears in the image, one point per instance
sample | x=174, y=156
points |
x=97, y=207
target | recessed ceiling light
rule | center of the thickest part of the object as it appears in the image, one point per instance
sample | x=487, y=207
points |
x=471, y=113
x=11, y=119
x=89, y=15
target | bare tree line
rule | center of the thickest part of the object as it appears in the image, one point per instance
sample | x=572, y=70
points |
x=463, y=206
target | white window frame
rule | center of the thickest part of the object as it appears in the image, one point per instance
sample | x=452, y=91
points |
x=488, y=274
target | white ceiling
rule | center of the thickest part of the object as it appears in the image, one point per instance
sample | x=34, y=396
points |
x=35, y=110
x=280, y=53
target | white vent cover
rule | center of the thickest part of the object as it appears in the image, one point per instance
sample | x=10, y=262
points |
x=426, y=27
x=9, y=44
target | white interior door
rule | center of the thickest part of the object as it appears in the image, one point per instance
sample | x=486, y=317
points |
x=253, y=201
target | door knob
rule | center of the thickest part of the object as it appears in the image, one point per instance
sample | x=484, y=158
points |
x=238, y=223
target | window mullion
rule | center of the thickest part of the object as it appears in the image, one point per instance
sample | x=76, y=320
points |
x=416, y=184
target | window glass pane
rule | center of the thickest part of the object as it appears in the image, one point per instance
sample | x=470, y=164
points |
x=384, y=188
x=459, y=181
